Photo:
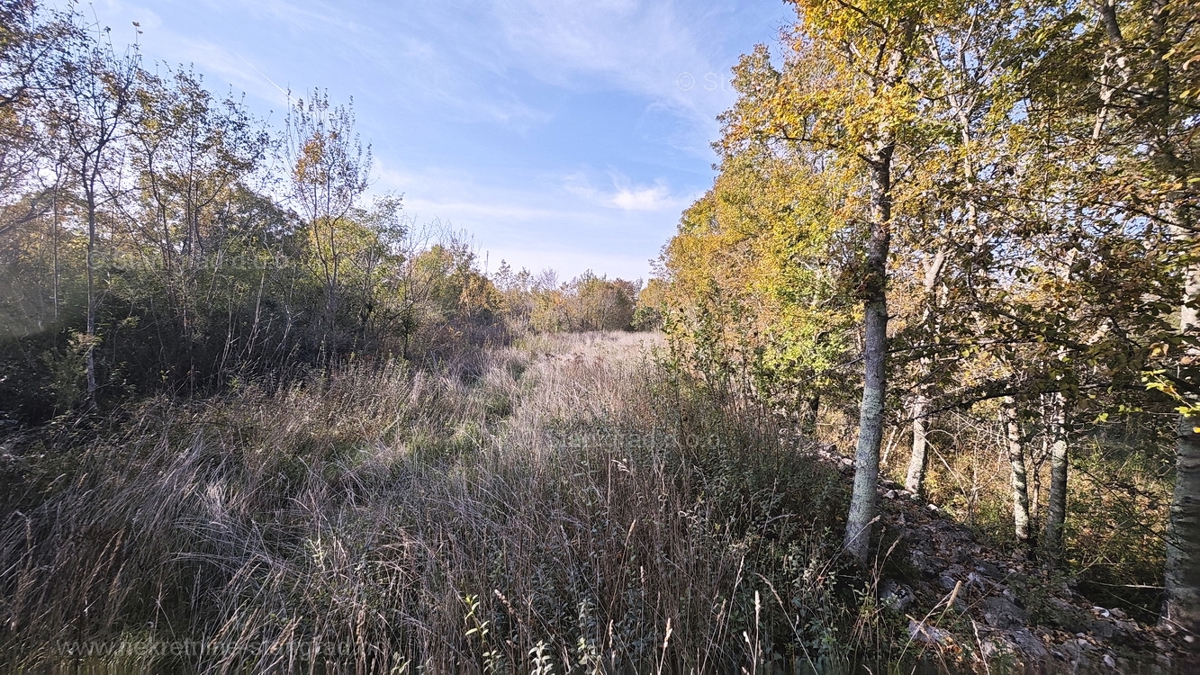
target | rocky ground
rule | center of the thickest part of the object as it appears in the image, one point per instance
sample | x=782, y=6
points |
x=963, y=597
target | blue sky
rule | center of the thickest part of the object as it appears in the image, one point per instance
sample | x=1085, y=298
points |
x=558, y=133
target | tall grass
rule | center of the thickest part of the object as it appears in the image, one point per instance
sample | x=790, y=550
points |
x=565, y=505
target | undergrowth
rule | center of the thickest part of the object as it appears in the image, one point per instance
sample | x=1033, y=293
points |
x=566, y=508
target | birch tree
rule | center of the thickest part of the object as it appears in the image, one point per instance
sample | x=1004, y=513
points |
x=845, y=95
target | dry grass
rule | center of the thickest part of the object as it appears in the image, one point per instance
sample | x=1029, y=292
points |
x=570, y=504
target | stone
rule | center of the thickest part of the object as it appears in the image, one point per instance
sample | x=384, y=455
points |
x=925, y=634
x=993, y=648
x=998, y=612
x=989, y=570
x=1067, y=616
x=1074, y=652
x=976, y=581
x=1102, y=629
x=896, y=596
x=1030, y=644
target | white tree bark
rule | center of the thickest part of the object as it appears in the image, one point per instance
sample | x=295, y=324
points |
x=870, y=424
x=1056, y=507
x=1181, y=592
x=1016, y=458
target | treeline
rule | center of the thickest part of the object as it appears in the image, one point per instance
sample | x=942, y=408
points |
x=155, y=236
x=970, y=230
x=586, y=303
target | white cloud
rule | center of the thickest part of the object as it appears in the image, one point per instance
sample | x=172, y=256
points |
x=625, y=195
x=643, y=198
x=539, y=221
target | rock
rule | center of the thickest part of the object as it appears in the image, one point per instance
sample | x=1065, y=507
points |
x=1102, y=629
x=896, y=596
x=1126, y=627
x=947, y=582
x=1067, y=616
x=922, y=562
x=890, y=494
x=995, y=647
x=976, y=581
x=989, y=570
x=926, y=634
x=1076, y=651
x=1029, y=644
x=1119, y=614
x=1000, y=613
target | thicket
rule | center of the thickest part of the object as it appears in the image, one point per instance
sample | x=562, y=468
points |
x=157, y=238
x=962, y=238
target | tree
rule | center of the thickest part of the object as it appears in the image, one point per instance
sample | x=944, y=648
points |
x=93, y=96
x=1148, y=102
x=847, y=94
x=189, y=152
x=330, y=173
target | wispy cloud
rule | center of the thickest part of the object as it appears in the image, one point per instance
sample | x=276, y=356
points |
x=657, y=50
x=492, y=115
x=215, y=59
x=625, y=194
x=643, y=199
x=543, y=217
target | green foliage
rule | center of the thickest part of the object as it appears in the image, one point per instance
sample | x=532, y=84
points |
x=586, y=303
x=182, y=270
x=1032, y=167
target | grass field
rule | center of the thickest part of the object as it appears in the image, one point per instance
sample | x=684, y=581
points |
x=568, y=504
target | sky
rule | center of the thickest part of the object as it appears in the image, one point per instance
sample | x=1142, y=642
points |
x=564, y=134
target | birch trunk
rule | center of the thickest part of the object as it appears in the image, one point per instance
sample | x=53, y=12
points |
x=91, y=293
x=1056, y=507
x=1016, y=458
x=1181, y=583
x=870, y=424
x=914, y=482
